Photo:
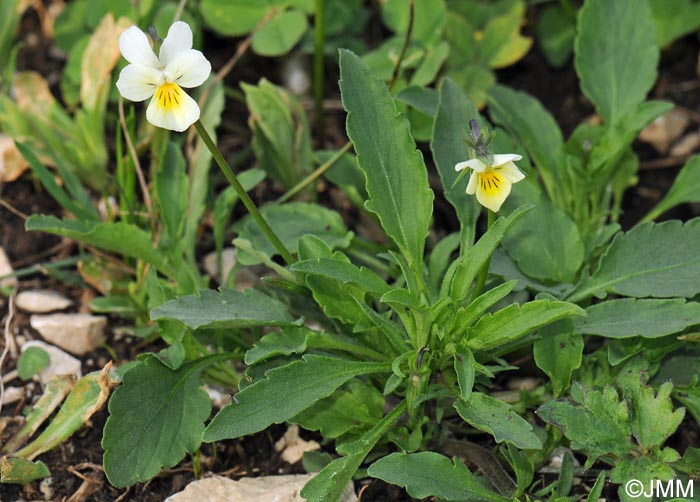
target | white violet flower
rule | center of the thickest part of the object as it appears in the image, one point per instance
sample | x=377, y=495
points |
x=163, y=76
x=492, y=183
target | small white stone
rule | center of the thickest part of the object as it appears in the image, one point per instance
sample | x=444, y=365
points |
x=61, y=363
x=76, y=333
x=293, y=447
x=6, y=269
x=263, y=489
x=40, y=301
x=11, y=395
x=228, y=261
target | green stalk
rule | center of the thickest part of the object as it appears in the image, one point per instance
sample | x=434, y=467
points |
x=315, y=175
x=242, y=194
x=320, y=22
x=484, y=272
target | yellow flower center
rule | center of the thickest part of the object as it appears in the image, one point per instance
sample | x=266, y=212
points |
x=169, y=96
x=490, y=182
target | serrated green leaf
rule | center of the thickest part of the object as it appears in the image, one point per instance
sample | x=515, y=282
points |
x=629, y=317
x=226, y=308
x=429, y=474
x=596, y=422
x=16, y=470
x=155, y=417
x=280, y=34
x=454, y=112
x=616, y=55
x=498, y=419
x=656, y=260
x=685, y=188
x=285, y=392
x=359, y=407
x=397, y=180
x=283, y=343
x=558, y=352
x=344, y=272
x=514, y=321
x=291, y=222
x=652, y=418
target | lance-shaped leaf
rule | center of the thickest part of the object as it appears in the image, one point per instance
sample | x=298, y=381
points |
x=627, y=317
x=685, y=188
x=509, y=324
x=656, y=260
x=225, y=309
x=285, y=392
x=427, y=474
x=344, y=272
x=397, y=180
x=497, y=418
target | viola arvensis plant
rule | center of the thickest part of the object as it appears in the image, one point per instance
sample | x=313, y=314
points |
x=492, y=182
x=163, y=77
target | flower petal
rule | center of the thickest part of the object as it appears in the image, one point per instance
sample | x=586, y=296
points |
x=493, y=198
x=178, y=39
x=171, y=108
x=134, y=46
x=474, y=164
x=510, y=171
x=188, y=69
x=138, y=82
x=503, y=158
x=473, y=183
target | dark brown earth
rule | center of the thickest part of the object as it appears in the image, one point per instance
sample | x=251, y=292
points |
x=76, y=464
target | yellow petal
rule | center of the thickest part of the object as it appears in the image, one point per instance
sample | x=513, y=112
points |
x=171, y=108
x=492, y=189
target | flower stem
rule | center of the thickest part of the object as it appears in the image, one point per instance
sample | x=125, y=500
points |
x=484, y=272
x=406, y=41
x=242, y=194
x=320, y=22
x=316, y=174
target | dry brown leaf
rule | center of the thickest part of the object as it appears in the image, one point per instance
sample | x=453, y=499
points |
x=12, y=164
x=99, y=59
x=32, y=93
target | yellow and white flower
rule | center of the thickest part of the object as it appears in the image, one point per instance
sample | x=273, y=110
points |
x=163, y=77
x=492, y=183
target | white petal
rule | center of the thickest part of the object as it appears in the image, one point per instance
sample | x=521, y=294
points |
x=473, y=183
x=134, y=45
x=474, y=164
x=178, y=39
x=494, y=200
x=505, y=157
x=138, y=82
x=511, y=172
x=188, y=69
x=174, y=117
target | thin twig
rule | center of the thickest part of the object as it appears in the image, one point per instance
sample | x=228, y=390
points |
x=13, y=209
x=10, y=345
x=180, y=9
x=407, y=40
x=137, y=165
x=649, y=165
